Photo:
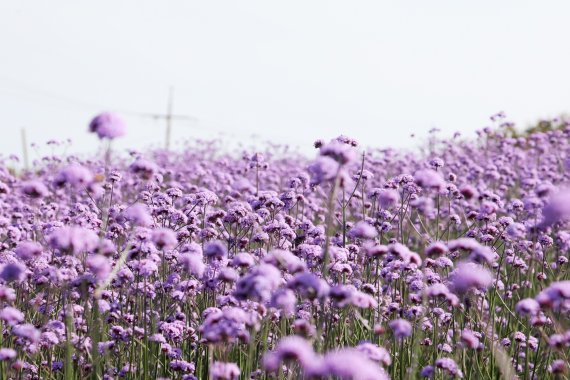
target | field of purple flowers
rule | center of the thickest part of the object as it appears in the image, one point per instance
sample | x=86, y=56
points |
x=354, y=265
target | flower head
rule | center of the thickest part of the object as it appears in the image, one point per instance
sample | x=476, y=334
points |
x=107, y=126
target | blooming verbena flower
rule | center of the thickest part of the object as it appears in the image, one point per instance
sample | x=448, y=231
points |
x=290, y=348
x=468, y=276
x=323, y=169
x=11, y=315
x=7, y=354
x=341, y=152
x=284, y=300
x=73, y=239
x=469, y=339
x=27, y=331
x=557, y=209
x=182, y=366
x=34, y=189
x=555, y=295
x=375, y=353
x=401, y=328
x=347, y=363
x=99, y=265
x=107, y=125
x=362, y=230
x=164, y=238
x=308, y=285
x=77, y=176
x=139, y=215
x=192, y=263
x=259, y=283
x=436, y=248
x=243, y=260
x=224, y=371
x=528, y=307
x=13, y=272
x=143, y=168
x=216, y=250
x=448, y=365
x=28, y=250
x=427, y=371
x=429, y=179
x=439, y=290
x=285, y=261
x=558, y=366
x=228, y=325
x=386, y=198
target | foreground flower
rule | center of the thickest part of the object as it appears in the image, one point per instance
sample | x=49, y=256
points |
x=107, y=125
x=348, y=363
x=224, y=371
x=401, y=328
x=554, y=296
x=290, y=348
x=468, y=276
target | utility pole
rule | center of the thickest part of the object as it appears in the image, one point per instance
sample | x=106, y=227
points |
x=169, y=117
x=25, y=149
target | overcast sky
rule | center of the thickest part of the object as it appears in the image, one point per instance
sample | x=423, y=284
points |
x=287, y=71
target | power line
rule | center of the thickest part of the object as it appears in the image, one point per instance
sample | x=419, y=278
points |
x=90, y=105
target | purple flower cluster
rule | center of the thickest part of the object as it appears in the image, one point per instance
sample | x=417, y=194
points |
x=354, y=265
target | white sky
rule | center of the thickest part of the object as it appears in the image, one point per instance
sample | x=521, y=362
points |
x=287, y=71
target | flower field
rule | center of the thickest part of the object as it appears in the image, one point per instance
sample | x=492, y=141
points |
x=353, y=264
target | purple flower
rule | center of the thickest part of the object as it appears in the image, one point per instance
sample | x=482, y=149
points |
x=342, y=153
x=290, y=348
x=386, y=197
x=449, y=366
x=99, y=265
x=558, y=366
x=75, y=175
x=527, y=306
x=28, y=250
x=107, y=126
x=284, y=300
x=27, y=331
x=224, y=371
x=35, y=189
x=555, y=295
x=468, y=276
x=192, y=264
x=259, y=283
x=469, y=339
x=215, y=250
x=309, y=285
x=401, y=328
x=143, y=168
x=182, y=366
x=74, y=240
x=323, y=169
x=427, y=371
x=243, y=260
x=7, y=354
x=348, y=363
x=557, y=209
x=226, y=326
x=139, y=215
x=11, y=315
x=436, y=249
x=430, y=179
x=362, y=230
x=375, y=353
x=164, y=238
x=13, y=272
